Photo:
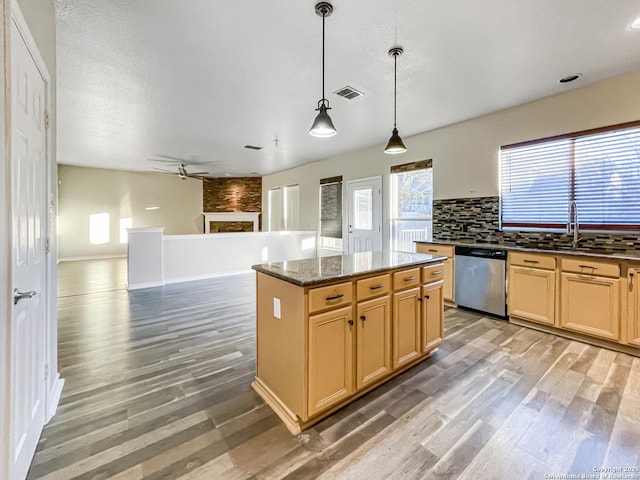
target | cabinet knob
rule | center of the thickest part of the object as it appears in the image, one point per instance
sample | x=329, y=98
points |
x=350, y=322
x=427, y=297
x=363, y=318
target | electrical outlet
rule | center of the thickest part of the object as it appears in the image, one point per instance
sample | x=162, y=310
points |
x=276, y=307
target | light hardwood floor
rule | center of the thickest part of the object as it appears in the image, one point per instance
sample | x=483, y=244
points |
x=157, y=387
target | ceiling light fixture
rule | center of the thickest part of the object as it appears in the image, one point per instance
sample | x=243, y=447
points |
x=570, y=78
x=636, y=24
x=395, y=144
x=322, y=125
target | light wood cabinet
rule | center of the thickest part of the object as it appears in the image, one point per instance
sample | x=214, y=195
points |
x=449, y=266
x=532, y=293
x=590, y=305
x=373, y=341
x=432, y=315
x=330, y=358
x=406, y=326
x=633, y=320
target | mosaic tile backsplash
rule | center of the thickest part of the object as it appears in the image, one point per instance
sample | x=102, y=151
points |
x=477, y=220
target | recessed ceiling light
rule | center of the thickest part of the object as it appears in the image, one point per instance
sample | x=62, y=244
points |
x=570, y=78
x=227, y=174
x=636, y=24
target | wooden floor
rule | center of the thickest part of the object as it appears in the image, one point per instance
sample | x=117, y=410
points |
x=157, y=387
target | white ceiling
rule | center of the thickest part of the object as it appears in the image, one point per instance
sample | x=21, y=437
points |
x=199, y=79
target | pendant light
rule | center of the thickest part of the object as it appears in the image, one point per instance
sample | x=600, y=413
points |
x=322, y=125
x=395, y=144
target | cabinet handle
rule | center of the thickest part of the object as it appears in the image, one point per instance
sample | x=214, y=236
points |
x=409, y=279
x=531, y=261
x=363, y=318
x=436, y=273
x=350, y=322
x=419, y=299
x=335, y=297
x=427, y=297
x=588, y=266
x=432, y=250
x=376, y=287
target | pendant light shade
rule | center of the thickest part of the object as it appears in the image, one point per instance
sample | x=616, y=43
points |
x=322, y=125
x=395, y=144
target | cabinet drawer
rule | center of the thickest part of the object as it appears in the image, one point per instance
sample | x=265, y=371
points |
x=432, y=273
x=430, y=249
x=372, y=287
x=406, y=279
x=532, y=260
x=590, y=268
x=323, y=298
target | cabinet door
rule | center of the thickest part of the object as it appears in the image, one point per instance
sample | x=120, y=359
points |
x=406, y=327
x=449, y=279
x=432, y=316
x=373, y=341
x=590, y=305
x=532, y=294
x=330, y=358
x=633, y=336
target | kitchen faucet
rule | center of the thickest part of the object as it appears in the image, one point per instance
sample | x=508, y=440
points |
x=573, y=225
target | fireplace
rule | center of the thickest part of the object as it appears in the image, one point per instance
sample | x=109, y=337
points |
x=231, y=222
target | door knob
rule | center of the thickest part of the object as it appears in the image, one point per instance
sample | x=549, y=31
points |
x=17, y=295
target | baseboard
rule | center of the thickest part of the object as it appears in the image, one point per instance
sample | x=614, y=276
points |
x=206, y=276
x=54, y=397
x=138, y=286
x=92, y=257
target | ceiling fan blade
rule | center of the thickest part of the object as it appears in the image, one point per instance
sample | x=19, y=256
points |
x=184, y=160
x=164, y=171
x=198, y=173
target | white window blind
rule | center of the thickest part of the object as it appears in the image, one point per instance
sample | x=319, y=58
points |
x=284, y=210
x=598, y=169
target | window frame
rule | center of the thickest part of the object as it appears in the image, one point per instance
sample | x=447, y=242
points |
x=555, y=227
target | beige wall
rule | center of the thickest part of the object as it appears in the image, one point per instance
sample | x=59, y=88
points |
x=465, y=155
x=85, y=191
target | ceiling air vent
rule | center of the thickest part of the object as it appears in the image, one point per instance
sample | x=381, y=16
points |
x=252, y=147
x=349, y=93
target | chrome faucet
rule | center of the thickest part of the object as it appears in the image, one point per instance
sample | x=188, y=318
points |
x=573, y=225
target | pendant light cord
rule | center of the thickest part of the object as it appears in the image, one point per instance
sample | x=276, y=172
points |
x=323, y=17
x=395, y=79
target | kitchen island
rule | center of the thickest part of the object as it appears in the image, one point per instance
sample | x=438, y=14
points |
x=330, y=329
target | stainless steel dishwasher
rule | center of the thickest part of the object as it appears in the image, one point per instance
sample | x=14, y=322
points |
x=480, y=279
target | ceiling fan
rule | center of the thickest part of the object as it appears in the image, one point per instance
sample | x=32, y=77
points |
x=181, y=165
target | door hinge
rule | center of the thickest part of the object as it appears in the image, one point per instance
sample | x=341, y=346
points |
x=47, y=246
x=47, y=120
x=46, y=371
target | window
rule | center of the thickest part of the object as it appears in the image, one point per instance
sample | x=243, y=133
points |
x=99, y=228
x=284, y=208
x=411, y=204
x=598, y=169
x=331, y=213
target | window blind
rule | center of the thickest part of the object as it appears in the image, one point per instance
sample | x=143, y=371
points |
x=331, y=207
x=598, y=169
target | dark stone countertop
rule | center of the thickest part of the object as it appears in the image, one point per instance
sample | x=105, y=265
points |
x=604, y=254
x=314, y=271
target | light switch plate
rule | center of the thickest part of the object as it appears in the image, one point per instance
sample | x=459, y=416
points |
x=276, y=307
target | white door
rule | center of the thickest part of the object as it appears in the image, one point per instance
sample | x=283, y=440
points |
x=28, y=194
x=364, y=215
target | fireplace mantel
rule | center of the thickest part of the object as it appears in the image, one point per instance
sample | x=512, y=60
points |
x=231, y=217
